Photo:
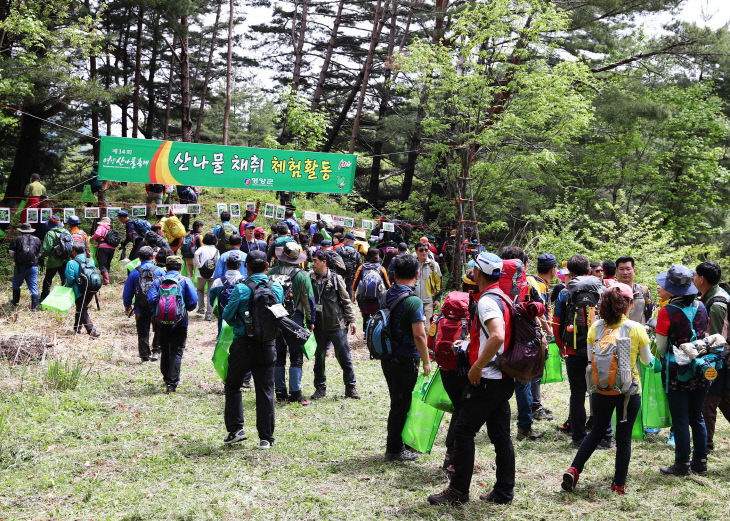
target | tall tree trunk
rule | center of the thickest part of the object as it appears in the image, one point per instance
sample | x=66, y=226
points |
x=94, y=104
x=137, y=72
x=327, y=58
x=151, y=97
x=229, y=60
x=382, y=112
x=343, y=112
x=125, y=67
x=170, y=78
x=298, y=42
x=186, y=121
x=378, y=22
x=199, y=121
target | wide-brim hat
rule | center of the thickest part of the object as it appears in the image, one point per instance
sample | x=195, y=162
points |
x=360, y=234
x=25, y=228
x=290, y=253
x=677, y=281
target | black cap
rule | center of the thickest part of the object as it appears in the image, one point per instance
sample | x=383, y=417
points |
x=256, y=255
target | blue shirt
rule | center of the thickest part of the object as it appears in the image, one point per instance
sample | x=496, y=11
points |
x=130, y=286
x=560, y=304
x=72, y=272
x=238, y=303
x=220, y=268
x=292, y=224
x=189, y=295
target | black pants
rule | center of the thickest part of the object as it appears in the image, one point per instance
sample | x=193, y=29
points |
x=185, y=219
x=454, y=385
x=48, y=279
x=400, y=375
x=488, y=403
x=144, y=321
x=104, y=257
x=709, y=411
x=575, y=366
x=603, y=407
x=248, y=355
x=81, y=317
x=136, y=245
x=172, y=345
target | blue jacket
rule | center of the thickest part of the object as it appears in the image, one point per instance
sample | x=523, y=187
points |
x=238, y=303
x=189, y=295
x=220, y=268
x=72, y=272
x=293, y=225
x=130, y=286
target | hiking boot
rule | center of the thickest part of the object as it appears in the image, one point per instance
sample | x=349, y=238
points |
x=606, y=443
x=495, y=498
x=403, y=455
x=296, y=397
x=576, y=443
x=105, y=278
x=265, y=444
x=570, y=479
x=542, y=414
x=94, y=333
x=16, y=297
x=281, y=397
x=145, y=359
x=351, y=392
x=565, y=428
x=678, y=469
x=34, y=303
x=319, y=392
x=528, y=434
x=618, y=489
x=450, y=496
x=209, y=318
x=699, y=467
x=169, y=388
x=235, y=437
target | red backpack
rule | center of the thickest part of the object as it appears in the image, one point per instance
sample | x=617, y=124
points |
x=513, y=281
x=450, y=325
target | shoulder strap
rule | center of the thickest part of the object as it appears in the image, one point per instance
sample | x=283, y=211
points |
x=398, y=300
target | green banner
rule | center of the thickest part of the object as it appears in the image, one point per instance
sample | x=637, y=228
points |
x=165, y=162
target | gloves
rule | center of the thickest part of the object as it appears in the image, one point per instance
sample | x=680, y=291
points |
x=689, y=349
x=716, y=340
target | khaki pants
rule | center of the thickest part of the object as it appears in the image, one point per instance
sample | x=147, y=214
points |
x=202, y=293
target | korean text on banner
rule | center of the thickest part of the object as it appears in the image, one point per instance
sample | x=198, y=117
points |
x=166, y=162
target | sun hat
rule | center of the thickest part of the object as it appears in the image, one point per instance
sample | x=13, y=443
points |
x=489, y=264
x=360, y=234
x=290, y=253
x=105, y=220
x=25, y=228
x=677, y=280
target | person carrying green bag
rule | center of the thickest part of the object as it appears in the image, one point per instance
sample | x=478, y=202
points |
x=408, y=337
x=614, y=345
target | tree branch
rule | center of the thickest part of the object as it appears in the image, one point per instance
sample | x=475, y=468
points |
x=642, y=56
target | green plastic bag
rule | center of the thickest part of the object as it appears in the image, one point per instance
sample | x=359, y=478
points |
x=222, y=351
x=436, y=395
x=94, y=249
x=310, y=346
x=553, y=366
x=654, y=404
x=60, y=299
x=423, y=421
x=133, y=264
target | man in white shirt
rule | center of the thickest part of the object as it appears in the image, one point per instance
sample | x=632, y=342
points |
x=486, y=399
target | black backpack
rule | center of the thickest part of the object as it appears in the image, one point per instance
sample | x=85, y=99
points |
x=351, y=258
x=89, y=278
x=63, y=244
x=335, y=263
x=207, y=270
x=112, y=238
x=287, y=283
x=146, y=279
x=580, y=309
x=27, y=256
x=261, y=324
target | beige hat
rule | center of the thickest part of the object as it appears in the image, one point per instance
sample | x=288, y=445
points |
x=105, y=220
x=290, y=253
x=360, y=234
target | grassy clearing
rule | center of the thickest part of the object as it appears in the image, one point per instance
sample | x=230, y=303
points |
x=117, y=447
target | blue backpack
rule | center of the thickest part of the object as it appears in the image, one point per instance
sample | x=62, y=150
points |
x=143, y=226
x=225, y=294
x=379, y=330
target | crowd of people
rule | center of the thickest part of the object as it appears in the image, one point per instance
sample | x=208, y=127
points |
x=316, y=274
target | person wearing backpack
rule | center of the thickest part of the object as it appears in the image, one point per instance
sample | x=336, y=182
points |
x=158, y=244
x=190, y=243
x=707, y=281
x=78, y=235
x=134, y=231
x=486, y=397
x=134, y=297
x=253, y=350
x=281, y=236
x=351, y=258
x=107, y=240
x=408, y=337
x=206, y=259
x=223, y=232
x=683, y=319
x=575, y=311
x=85, y=279
x=643, y=304
x=291, y=221
x=234, y=245
x=335, y=315
x=57, y=248
x=25, y=250
x=299, y=303
x=223, y=286
x=615, y=344
x=429, y=280
x=170, y=298
x=369, y=284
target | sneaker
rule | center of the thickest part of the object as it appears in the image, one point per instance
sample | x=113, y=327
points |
x=265, y=444
x=403, y=455
x=495, y=498
x=145, y=358
x=209, y=318
x=200, y=311
x=296, y=397
x=670, y=441
x=678, y=469
x=606, y=443
x=281, y=397
x=565, y=428
x=541, y=414
x=94, y=333
x=528, y=434
x=618, y=489
x=235, y=437
x=154, y=357
x=319, y=392
x=699, y=467
x=351, y=392
x=169, y=388
x=570, y=479
x=450, y=496
x=651, y=431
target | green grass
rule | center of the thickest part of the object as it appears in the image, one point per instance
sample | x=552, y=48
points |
x=117, y=447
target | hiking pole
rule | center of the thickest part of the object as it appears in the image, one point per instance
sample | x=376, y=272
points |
x=96, y=298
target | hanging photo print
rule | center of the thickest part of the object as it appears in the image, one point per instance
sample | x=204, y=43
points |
x=92, y=213
x=179, y=209
x=310, y=216
x=112, y=212
x=222, y=207
x=139, y=211
x=68, y=212
x=280, y=211
x=388, y=227
x=194, y=209
x=235, y=209
x=163, y=209
x=251, y=206
x=269, y=210
x=46, y=214
x=368, y=225
x=31, y=215
x=349, y=222
x=4, y=215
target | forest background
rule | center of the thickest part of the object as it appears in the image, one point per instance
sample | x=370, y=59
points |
x=577, y=130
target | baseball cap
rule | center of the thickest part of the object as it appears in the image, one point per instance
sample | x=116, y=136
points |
x=173, y=260
x=234, y=255
x=122, y=213
x=249, y=225
x=256, y=255
x=55, y=219
x=350, y=236
x=626, y=291
x=326, y=242
x=545, y=262
x=489, y=264
x=73, y=220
